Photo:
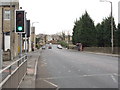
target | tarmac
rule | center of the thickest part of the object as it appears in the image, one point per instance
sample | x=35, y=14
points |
x=33, y=57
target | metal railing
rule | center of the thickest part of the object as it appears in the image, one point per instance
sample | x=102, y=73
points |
x=12, y=75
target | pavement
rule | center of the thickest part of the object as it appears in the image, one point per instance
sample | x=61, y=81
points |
x=29, y=79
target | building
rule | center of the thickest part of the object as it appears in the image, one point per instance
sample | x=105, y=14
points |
x=8, y=38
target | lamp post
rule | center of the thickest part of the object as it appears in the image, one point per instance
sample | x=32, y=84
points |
x=112, y=43
x=33, y=36
x=33, y=23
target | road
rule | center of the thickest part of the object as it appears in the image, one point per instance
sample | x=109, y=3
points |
x=64, y=68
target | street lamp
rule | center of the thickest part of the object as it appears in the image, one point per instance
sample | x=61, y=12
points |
x=33, y=36
x=33, y=23
x=112, y=43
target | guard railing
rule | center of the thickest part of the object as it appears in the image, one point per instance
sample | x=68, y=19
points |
x=12, y=75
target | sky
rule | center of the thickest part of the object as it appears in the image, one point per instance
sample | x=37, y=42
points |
x=55, y=16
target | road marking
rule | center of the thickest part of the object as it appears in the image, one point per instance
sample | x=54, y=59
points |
x=78, y=76
x=36, y=64
x=51, y=83
x=113, y=78
x=115, y=74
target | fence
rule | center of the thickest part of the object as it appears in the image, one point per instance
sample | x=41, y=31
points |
x=12, y=75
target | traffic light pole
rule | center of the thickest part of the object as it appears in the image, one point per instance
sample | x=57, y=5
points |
x=25, y=33
x=20, y=44
x=25, y=44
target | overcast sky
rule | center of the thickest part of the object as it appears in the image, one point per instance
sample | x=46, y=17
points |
x=59, y=15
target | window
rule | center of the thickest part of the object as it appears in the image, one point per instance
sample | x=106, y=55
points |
x=7, y=15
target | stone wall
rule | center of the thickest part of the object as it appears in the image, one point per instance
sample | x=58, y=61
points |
x=102, y=49
x=6, y=56
x=98, y=49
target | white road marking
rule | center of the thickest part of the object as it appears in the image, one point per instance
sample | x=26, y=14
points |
x=78, y=76
x=113, y=78
x=115, y=74
x=51, y=83
x=36, y=64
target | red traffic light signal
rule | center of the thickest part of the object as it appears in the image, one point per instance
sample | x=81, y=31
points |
x=20, y=21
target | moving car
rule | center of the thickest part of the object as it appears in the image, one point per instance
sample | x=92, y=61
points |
x=59, y=46
x=49, y=47
x=43, y=47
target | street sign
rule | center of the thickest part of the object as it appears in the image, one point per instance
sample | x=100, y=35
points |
x=20, y=21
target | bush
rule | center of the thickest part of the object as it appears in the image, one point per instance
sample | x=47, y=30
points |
x=64, y=44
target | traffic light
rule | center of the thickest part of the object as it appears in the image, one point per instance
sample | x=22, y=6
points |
x=20, y=21
x=27, y=31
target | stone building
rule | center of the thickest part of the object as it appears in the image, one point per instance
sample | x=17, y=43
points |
x=8, y=37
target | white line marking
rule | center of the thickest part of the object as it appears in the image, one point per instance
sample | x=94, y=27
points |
x=115, y=74
x=51, y=83
x=35, y=72
x=78, y=76
x=113, y=78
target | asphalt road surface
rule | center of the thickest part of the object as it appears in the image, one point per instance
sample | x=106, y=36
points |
x=62, y=68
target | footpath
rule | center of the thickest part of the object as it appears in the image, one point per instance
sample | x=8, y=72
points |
x=29, y=80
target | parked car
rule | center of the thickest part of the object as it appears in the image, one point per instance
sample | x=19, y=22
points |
x=59, y=46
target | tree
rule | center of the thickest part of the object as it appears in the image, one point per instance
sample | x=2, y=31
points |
x=104, y=32
x=117, y=36
x=100, y=40
x=84, y=31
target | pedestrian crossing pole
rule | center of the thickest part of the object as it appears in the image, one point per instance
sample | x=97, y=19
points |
x=20, y=44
